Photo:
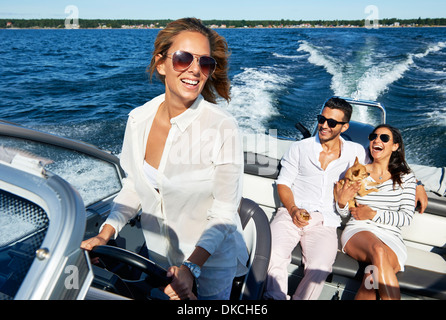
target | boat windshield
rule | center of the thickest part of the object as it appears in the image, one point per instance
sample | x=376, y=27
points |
x=93, y=178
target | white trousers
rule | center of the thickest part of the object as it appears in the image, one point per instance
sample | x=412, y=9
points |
x=319, y=247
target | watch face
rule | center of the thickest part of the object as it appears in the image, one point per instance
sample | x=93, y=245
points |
x=195, y=272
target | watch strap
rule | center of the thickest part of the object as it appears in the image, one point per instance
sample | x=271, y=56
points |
x=194, y=268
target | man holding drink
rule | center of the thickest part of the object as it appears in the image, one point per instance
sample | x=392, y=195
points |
x=310, y=169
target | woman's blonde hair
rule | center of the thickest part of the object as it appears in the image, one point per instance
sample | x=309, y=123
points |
x=219, y=82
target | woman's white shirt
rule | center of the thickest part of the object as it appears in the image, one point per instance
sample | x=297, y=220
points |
x=199, y=182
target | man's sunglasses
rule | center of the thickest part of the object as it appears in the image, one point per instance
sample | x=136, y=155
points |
x=384, y=137
x=182, y=60
x=331, y=122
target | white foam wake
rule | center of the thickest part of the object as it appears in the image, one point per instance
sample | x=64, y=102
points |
x=283, y=56
x=373, y=81
x=254, y=92
x=378, y=78
x=332, y=65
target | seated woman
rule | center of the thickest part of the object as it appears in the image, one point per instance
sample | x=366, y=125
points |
x=373, y=233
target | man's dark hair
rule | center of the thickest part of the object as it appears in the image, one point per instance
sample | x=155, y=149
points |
x=341, y=104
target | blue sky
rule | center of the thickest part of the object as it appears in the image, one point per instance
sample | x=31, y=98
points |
x=224, y=9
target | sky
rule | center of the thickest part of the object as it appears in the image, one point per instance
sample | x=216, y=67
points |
x=225, y=9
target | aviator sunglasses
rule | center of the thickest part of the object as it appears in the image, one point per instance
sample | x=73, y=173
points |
x=331, y=122
x=182, y=60
x=384, y=137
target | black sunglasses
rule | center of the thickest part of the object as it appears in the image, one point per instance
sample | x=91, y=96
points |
x=384, y=137
x=182, y=60
x=331, y=122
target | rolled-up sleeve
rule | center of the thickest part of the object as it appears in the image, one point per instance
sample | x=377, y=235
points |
x=290, y=167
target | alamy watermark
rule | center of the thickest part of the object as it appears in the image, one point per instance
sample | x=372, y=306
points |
x=197, y=146
x=371, y=281
x=72, y=20
x=372, y=20
x=72, y=279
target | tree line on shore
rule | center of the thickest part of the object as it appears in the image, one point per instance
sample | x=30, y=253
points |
x=119, y=23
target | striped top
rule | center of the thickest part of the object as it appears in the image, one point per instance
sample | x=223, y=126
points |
x=395, y=207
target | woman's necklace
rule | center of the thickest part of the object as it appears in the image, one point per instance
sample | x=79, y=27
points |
x=380, y=177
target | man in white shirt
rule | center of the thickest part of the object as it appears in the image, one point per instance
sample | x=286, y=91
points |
x=309, y=171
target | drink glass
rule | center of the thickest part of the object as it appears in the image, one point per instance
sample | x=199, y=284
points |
x=305, y=215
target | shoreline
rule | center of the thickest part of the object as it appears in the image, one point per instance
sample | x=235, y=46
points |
x=236, y=28
x=70, y=23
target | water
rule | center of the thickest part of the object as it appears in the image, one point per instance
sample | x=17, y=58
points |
x=83, y=83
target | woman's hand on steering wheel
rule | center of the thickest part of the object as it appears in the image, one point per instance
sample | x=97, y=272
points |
x=89, y=244
x=100, y=240
x=182, y=283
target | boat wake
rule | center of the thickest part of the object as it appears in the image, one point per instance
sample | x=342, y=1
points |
x=283, y=56
x=363, y=78
x=254, y=94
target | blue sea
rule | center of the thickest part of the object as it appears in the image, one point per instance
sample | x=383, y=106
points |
x=83, y=83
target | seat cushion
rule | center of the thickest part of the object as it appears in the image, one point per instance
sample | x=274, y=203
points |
x=414, y=280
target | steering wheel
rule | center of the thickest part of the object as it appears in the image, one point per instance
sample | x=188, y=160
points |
x=157, y=274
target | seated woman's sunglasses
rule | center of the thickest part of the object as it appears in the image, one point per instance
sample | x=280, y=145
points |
x=384, y=137
x=182, y=60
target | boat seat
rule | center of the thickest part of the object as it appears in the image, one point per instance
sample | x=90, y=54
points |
x=257, y=235
x=358, y=132
x=413, y=280
x=261, y=165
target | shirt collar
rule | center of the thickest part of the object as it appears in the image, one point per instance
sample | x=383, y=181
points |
x=318, y=146
x=185, y=119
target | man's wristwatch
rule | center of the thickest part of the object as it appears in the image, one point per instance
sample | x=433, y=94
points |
x=194, y=269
